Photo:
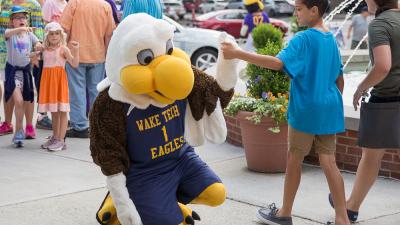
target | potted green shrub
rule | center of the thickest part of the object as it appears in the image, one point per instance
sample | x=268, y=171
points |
x=262, y=111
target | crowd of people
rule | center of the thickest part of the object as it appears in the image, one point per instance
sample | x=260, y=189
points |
x=56, y=48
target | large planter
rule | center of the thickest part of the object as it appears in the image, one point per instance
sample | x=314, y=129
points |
x=265, y=151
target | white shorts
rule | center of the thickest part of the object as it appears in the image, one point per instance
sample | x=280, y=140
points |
x=19, y=80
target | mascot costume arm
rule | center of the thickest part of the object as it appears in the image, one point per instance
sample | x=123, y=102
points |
x=204, y=117
x=108, y=151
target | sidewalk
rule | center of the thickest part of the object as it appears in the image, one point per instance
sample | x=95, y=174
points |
x=66, y=188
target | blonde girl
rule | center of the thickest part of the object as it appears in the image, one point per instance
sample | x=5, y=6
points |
x=53, y=96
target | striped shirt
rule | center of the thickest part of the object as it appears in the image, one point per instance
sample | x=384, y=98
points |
x=35, y=20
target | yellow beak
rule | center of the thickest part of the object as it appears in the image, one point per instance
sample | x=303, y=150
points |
x=166, y=79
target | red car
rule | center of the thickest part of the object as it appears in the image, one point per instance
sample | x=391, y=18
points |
x=230, y=21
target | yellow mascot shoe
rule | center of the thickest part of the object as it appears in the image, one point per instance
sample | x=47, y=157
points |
x=189, y=216
x=107, y=214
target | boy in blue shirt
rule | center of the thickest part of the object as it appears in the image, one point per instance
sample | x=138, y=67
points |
x=312, y=60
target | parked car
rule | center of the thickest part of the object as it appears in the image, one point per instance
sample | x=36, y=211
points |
x=235, y=4
x=271, y=7
x=212, y=5
x=200, y=44
x=230, y=21
x=174, y=9
x=278, y=7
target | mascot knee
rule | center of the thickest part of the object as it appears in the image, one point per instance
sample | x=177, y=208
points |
x=216, y=194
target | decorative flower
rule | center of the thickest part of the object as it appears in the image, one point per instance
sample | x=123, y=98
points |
x=264, y=95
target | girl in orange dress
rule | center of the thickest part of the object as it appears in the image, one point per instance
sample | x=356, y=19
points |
x=53, y=96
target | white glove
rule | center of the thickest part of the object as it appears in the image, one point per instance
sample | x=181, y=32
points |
x=226, y=74
x=126, y=210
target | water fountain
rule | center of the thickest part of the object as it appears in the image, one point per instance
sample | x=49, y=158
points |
x=355, y=50
x=348, y=16
x=337, y=10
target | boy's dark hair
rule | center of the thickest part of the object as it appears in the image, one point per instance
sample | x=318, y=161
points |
x=384, y=5
x=322, y=5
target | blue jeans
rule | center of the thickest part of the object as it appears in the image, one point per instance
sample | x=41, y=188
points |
x=85, y=77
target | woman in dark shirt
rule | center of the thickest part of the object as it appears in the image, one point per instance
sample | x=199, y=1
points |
x=384, y=79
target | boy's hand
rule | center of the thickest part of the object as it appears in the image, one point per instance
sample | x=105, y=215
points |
x=229, y=50
x=27, y=29
x=35, y=56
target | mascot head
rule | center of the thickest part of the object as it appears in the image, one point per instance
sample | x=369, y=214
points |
x=142, y=59
x=253, y=5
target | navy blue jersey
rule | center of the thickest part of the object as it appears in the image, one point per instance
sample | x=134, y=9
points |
x=155, y=136
x=164, y=168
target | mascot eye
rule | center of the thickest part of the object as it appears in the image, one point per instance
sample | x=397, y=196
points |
x=170, y=47
x=145, y=57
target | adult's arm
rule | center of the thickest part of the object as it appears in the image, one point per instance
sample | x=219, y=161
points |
x=380, y=69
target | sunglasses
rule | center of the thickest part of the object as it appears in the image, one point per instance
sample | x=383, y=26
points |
x=19, y=18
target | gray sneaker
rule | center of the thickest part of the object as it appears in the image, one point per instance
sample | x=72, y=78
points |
x=268, y=216
x=48, y=143
x=57, y=145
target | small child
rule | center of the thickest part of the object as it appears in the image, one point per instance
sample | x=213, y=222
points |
x=19, y=83
x=312, y=60
x=53, y=96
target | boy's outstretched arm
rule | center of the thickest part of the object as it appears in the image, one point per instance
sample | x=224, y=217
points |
x=340, y=83
x=13, y=31
x=266, y=61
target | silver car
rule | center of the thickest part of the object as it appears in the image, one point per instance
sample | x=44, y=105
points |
x=212, y=5
x=200, y=44
x=278, y=7
x=235, y=4
x=174, y=9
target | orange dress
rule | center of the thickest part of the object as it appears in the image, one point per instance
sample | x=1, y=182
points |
x=53, y=96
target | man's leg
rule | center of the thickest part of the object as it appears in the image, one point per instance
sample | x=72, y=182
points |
x=354, y=44
x=77, y=88
x=95, y=74
x=364, y=45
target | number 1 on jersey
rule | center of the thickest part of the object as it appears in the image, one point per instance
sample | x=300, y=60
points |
x=164, y=129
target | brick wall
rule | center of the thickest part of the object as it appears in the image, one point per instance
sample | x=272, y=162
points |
x=348, y=154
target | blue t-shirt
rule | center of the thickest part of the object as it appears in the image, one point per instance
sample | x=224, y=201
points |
x=313, y=62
